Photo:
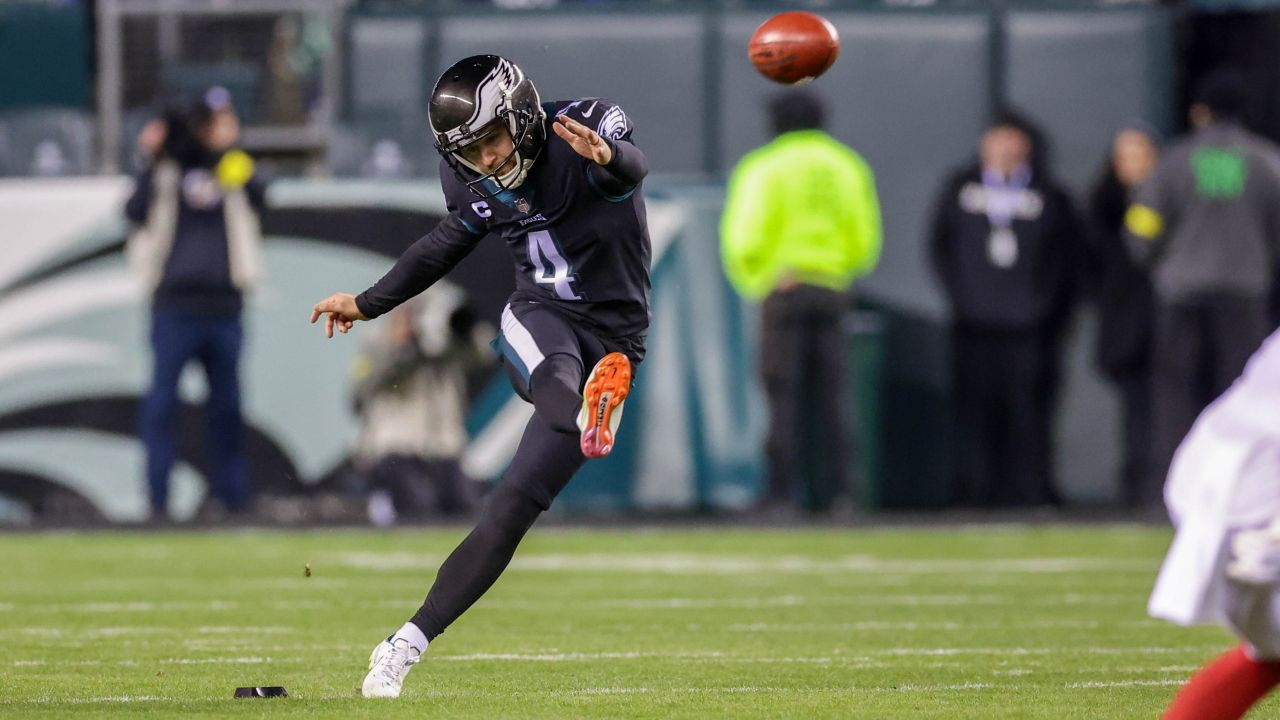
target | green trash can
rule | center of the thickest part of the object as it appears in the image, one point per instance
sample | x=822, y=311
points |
x=866, y=331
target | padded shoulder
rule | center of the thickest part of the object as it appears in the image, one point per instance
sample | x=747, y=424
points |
x=603, y=116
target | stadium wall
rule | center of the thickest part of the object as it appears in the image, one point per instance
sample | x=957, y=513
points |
x=911, y=92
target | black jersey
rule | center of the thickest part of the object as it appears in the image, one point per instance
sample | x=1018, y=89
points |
x=576, y=230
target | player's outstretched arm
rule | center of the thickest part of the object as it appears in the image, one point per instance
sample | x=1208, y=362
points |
x=425, y=262
x=620, y=166
x=340, y=311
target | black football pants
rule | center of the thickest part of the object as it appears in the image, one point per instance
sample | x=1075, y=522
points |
x=545, y=356
x=1005, y=382
x=802, y=345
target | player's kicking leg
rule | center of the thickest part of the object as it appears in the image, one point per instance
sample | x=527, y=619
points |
x=552, y=450
x=542, y=466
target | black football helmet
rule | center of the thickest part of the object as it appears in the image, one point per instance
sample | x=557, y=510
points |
x=472, y=99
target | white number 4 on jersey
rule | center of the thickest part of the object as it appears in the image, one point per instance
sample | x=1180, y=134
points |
x=544, y=254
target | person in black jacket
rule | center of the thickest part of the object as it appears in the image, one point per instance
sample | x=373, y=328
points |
x=1005, y=247
x=1122, y=291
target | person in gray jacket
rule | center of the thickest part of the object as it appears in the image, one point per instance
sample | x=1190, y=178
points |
x=1207, y=225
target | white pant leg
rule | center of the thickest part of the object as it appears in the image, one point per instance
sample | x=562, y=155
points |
x=1253, y=615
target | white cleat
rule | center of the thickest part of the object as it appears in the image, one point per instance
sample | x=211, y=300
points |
x=1256, y=556
x=388, y=666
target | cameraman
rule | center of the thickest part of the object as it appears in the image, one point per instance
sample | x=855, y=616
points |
x=196, y=243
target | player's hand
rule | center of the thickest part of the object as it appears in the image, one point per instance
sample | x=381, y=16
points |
x=585, y=141
x=340, y=311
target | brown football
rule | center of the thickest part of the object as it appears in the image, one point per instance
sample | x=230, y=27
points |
x=794, y=48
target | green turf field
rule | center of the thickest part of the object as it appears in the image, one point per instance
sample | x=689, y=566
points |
x=997, y=622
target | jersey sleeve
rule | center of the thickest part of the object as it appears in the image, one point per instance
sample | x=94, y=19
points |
x=628, y=166
x=423, y=264
x=603, y=116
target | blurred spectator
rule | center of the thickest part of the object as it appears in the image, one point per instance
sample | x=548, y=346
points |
x=801, y=221
x=1207, y=224
x=196, y=242
x=411, y=394
x=1122, y=291
x=1006, y=246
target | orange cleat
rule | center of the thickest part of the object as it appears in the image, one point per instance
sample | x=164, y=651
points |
x=602, y=397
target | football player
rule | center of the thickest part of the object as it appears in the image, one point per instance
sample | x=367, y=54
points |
x=1223, y=494
x=560, y=183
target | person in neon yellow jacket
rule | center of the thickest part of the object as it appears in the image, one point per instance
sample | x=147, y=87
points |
x=801, y=222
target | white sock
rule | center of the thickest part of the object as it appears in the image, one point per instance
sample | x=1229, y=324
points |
x=413, y=635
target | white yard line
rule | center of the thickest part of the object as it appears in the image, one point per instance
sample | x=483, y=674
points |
x=750, y=602
x=1125, y=683
x=224, y=661
x=701, y=564
x=862, y=656
x=586, y=692
x=92, y=633
x=119, y=607
x=933, y=626
x=579, y=692
x=626, y=603
x=303, y=605
x=247, y=630
x=81, y=701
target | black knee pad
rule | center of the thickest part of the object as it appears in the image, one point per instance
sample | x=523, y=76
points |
x=556, y=389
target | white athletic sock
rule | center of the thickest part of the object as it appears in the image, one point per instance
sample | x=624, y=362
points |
x=413, y=635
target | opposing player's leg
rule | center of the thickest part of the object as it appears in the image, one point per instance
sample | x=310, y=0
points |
x=1225, y=688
